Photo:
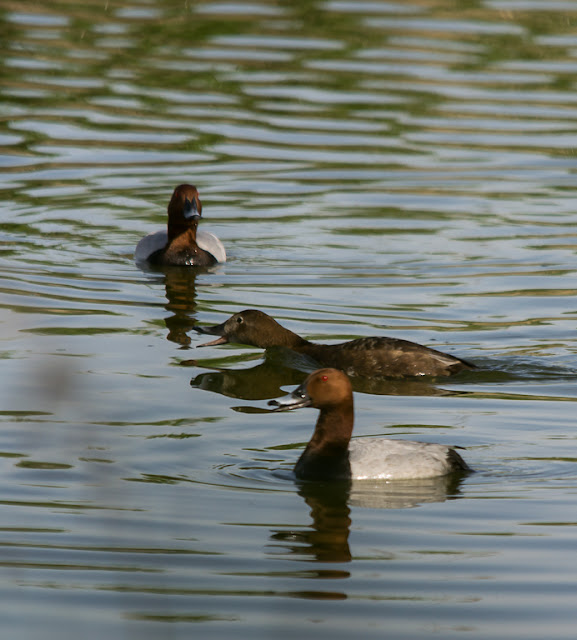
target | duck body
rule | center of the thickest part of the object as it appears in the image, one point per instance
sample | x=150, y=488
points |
x=181, y=244
x=152, y=249
x=368, y=357
x=330, y=454
x=382, y=459
x=382, y=356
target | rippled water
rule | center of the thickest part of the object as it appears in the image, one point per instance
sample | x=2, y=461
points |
x=373, y=168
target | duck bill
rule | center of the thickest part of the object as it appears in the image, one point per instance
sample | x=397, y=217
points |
x=190, y=210
x=295, y=400
x=216, y=330
x=212, y=343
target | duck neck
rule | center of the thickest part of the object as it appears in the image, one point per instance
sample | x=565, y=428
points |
x=326, y=456
x=187, y=231
x=284, y=338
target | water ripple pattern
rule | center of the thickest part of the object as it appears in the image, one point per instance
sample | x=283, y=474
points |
x=373, y=168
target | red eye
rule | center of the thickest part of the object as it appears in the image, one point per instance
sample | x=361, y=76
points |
x=324, y=378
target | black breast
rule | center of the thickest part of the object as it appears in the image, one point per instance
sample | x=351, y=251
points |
x=183, y=257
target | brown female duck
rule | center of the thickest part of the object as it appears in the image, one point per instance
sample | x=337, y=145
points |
x=368, y=357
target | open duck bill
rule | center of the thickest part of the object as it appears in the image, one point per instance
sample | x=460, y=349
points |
x=296, y=400
x=216, y=330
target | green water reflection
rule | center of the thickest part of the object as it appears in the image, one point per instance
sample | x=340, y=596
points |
x=373, y=168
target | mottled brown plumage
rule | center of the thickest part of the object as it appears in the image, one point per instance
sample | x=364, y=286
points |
x=367, y=357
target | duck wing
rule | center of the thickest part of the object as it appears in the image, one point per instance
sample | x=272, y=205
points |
x=387, y=357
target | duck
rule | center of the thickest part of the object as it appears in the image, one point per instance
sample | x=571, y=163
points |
x=181, y=244
x=331, y=455
x=363, y=357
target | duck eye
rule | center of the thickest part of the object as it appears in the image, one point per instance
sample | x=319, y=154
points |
x=324, y=378
x=239, y=320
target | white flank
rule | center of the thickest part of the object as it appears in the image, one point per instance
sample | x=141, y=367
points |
x=209, y=242
x=382, y=459
x=149, y=244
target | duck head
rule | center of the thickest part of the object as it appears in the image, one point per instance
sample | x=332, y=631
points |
x=252, y=327
x=324, y=388
x=184, y=209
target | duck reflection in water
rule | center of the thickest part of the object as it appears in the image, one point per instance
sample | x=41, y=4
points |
x=180, y=286
x=180, y=291
x=262, y=382
x=265, y=381
x=283, y=365
x=327, y=539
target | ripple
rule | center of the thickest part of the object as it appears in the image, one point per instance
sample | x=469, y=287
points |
x=373, y=168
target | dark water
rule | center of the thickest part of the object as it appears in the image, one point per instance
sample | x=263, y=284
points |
x=373, y=168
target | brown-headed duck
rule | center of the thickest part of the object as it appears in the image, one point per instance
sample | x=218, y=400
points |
x=181, y=244
x=330, y=453
x=366, y=357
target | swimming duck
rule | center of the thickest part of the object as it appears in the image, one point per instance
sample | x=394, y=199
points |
x=330, y=453
x=369, y=357
x=181, y=244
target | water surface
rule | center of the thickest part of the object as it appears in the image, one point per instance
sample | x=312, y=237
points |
x=373, y=168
